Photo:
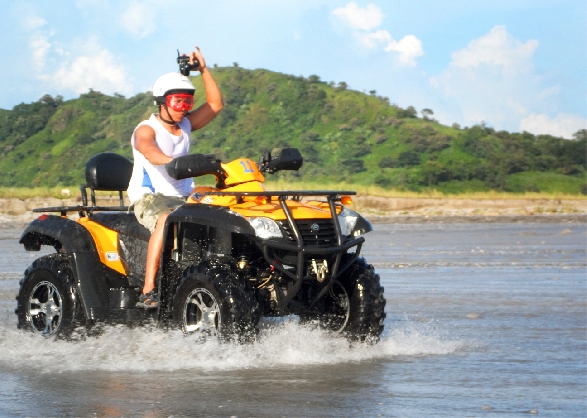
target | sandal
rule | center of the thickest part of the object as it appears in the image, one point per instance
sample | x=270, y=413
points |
x=148, y=301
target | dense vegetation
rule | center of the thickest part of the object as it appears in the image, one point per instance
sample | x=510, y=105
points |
x=343, y=135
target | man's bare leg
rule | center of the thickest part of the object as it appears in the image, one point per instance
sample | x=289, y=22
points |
x=154, y=254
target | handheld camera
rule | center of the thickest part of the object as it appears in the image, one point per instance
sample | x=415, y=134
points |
x=184, y=64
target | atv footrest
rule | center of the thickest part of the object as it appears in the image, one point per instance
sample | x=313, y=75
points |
x=124, y=316
x=124, y=297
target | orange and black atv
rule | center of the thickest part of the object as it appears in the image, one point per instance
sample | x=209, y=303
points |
x=231, y=254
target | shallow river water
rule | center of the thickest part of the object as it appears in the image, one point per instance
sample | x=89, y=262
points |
x=482, y=320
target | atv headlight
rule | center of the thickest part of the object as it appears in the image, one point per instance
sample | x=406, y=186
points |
x=265, y=228
x=347, y=220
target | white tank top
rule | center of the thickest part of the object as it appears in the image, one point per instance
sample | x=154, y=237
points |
x=149, y=178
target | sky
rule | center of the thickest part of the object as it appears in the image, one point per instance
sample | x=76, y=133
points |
x=515, y=65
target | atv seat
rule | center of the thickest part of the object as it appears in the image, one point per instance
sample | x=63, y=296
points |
x=106, y=171
x=123, y=223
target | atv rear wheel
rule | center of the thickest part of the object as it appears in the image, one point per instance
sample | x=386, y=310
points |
x=355, y=305
x=214, y=302
x=46, y=301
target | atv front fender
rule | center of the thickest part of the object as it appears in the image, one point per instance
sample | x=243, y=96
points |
x=214, y=216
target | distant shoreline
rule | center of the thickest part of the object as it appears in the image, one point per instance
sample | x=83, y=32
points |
x=6, y=223
x=407, y=219
x=395, y=210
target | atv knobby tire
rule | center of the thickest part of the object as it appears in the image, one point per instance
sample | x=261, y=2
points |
x=46, y=302
x=213, y=301
x=355, y=305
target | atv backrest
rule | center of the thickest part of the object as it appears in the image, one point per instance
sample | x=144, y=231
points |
x=107, y=171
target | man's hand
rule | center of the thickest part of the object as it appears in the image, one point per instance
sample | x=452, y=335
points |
x=207, y=111
x=197, y=55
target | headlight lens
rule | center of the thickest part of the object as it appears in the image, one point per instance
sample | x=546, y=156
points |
x=265, y=228
x=347, y=220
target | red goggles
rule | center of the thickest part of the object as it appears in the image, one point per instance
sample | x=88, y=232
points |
x=180, y=102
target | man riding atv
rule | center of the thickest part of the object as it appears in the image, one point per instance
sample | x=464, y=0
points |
x=224, y=258
x=158, y=141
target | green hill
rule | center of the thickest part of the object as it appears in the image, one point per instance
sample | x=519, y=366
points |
x=344, y=135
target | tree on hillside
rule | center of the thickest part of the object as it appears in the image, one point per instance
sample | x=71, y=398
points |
x=409, y=112
x=580, y=135
x=426, y=113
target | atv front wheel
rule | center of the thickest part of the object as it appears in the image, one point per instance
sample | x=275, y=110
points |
x=335, y=308
x=214, y=302
x=46, y=299
x=354, y=305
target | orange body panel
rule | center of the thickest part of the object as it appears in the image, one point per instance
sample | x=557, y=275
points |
x=243, y=175
x=241, y=171
x=106, y=243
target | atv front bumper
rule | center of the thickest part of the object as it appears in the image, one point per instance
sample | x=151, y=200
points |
x=302, y=252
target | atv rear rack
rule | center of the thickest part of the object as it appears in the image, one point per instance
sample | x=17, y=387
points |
x=84, y=207
x=64, y=209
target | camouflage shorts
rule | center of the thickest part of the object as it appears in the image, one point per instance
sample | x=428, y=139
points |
x=150, y=207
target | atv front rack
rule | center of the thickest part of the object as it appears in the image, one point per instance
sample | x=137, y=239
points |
x=294, y=194
x=300, y=248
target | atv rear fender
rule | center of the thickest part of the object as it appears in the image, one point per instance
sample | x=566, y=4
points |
x=92, y=278
x=63, y=234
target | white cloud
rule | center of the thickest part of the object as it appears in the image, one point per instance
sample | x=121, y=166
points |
x=89, y=4
x=38, y=38
x=409, y=48
x=31, y=23
x=494, y=80
x=360, y=18
x=497, y=48
x=77, y=66
x=139, y=19
x=40, y=46
x=363, y=20
x=562, y=125
x=372, y=40
x=98, y=71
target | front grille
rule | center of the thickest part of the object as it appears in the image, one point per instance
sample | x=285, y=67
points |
x=325, y=235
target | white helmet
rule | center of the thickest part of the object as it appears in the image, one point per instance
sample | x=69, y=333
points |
x=171, y=83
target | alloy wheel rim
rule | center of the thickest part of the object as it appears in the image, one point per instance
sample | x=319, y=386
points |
x=45, y=308
x=201, y=313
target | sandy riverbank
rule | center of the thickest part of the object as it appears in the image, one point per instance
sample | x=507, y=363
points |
x=383, y=209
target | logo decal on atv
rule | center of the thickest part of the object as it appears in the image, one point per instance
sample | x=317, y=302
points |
x=315, y=227
x=208, y=199
x=247, y=166
x=112, y=256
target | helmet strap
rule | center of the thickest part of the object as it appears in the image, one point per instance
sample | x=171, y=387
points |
x=170, y=122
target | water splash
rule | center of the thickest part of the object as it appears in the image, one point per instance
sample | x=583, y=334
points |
x=284, y=343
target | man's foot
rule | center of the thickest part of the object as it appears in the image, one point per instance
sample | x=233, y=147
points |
x=148, y=301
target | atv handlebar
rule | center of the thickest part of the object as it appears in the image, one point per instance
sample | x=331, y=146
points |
x=193, y=165
x=287, y=159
